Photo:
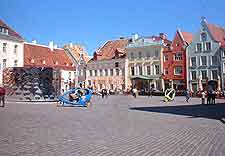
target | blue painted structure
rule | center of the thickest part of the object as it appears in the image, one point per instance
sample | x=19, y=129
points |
x=83, y=97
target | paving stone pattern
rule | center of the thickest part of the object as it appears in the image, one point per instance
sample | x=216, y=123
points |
x=117, y=126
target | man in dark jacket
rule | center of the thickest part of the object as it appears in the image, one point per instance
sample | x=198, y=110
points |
x=2, y=97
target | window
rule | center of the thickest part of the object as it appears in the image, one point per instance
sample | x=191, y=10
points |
x=223, y=67
x=4, y=63
x=193, y=62
x=100, y=85
x=100, y=71
x=106, y=72
x=193, y=75
x=178, y=70
x=166, y=71
x=132, y=70
x=117, y=64
x=96, y=73
x=148, y=55
x=90, y=72
x=165, y=57
x=178, y=56
x=111, y=86
x=69, y=76
x=214, y=74
x=139, y=55
x=177, y=44
x=156, y=53
x=15, y=49
x=148, y=70
x=203, y=37
x=4, y=47
x=111, y=72
x=214, y=60
x=224, y=53
x=89, y=82
x=4, y=30
x=208, y=46
x=204, y=74
x=199, y=47
x=203, y=60
x=15, y=63
x=140, y=70
x=117, y=72
x=132, y=56
x=157, y=69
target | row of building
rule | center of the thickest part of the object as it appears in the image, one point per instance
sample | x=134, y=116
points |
x=189, y=61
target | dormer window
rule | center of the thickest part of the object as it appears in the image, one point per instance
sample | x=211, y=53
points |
x=32, y=60
x=203, y=37
x=4, y=30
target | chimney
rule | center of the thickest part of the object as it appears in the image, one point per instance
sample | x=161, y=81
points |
x=34, y=41
x=55, y=46
x=134, y=37
x=162, y=36
x=121, y=37
x=71, y=45
x=51, y=45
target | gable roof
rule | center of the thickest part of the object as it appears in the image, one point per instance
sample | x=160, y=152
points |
x=110, y=48
x=217, y=32
x=187, y=37
x=11, y=32
x=40, y=53
x=76, y=51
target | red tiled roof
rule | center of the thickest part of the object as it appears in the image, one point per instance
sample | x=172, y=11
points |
x=10, y=30
x=187, y=37
x=110, y=48
x=40, y=53
x=217, y=32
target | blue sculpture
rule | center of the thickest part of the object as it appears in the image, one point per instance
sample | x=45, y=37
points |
x=76, y=97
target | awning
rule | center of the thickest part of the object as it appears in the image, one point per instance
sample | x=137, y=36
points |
x=140, y=77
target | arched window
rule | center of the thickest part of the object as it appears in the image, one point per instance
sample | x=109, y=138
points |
x=203, y=37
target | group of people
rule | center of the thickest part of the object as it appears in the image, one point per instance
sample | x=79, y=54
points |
x=211, y=96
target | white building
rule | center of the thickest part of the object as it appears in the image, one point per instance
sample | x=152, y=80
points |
x=11, y=49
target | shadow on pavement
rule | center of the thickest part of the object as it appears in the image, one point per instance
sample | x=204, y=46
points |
x=216, y=111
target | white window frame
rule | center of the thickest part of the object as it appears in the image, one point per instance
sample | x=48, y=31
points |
x=178, y=73
x=191, y=74
x=206, y=46
x=202, y=71
x=196, y=47
x=201, y=61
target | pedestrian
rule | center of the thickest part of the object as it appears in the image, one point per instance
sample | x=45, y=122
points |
x=209, y=97
x=203, y=97
x=2, y=96
x=134, y=90
x=214, y=97
x=187, y=95
x=103, y=93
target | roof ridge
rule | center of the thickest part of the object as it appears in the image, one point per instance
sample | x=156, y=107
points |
x=41, y=45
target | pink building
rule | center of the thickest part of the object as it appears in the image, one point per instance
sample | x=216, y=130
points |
x=107, y=68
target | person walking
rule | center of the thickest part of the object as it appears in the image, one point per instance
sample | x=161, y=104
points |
x=187, y=95
x=134, y=90
x=2, y=96
x=203, y=97
x=209, y=97
x=214, y=97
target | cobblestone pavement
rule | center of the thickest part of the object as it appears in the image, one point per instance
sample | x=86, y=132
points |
x=118, y=126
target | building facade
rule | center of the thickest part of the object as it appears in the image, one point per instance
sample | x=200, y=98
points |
x=145, y=64
x=107, y=68
x=80, y=57
x=174, y=62
x=11, y=49
x=204, y=57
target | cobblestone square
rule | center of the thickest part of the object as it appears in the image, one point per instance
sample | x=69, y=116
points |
x=118, y=126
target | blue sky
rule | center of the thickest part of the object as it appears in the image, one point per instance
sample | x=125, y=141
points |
x=91, y=23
